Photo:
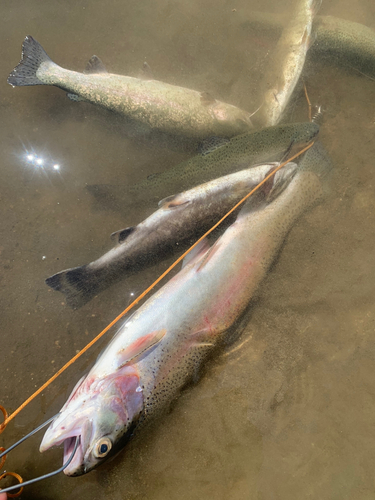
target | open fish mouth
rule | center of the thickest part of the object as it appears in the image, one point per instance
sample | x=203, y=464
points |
x=76, y=466
x=60, y=432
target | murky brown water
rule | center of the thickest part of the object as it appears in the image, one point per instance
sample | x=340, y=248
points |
x=289, y=411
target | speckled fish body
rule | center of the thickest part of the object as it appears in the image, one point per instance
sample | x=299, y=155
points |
x=286, y=63
x=258, y=146
x=163, y=344
x=336, y=41
x=156, y=105
x=180, y=220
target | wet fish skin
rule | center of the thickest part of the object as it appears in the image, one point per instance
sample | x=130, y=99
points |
x=336, y=41
x=286, y=63
x=258, y=146
x=156, y=105
x=163, y=344
x=180, y=220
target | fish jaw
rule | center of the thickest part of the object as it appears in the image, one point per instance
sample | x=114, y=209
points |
x=100, y=410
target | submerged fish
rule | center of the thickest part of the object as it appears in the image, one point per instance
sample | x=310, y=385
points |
x=157, y=105
x=180, y=220
x=286, y=63
x=259, y=146
x=164, y=343
x=337, y=41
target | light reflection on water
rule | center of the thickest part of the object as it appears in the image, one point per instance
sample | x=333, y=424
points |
x=290, y=413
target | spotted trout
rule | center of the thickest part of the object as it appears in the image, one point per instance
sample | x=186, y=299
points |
x=154, y=104
x=286, y=63
x=259, y=146
x=161, y=347
x=336, y=41
x=180, y=220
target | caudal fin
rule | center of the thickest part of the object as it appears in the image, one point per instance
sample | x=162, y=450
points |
x=33, y=55
x=78, y=284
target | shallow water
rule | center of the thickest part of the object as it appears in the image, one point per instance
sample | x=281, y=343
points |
x=288, y=411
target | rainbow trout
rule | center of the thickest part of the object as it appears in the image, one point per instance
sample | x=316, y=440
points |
x=180, y=220
x=286, y=64
x=336, y=41
x=163, y=344
x=259, y=146
x=156, y=105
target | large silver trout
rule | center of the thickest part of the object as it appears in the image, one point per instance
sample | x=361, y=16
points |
x=164, y=343
x=286, y=63
x=180, y=220
x=336, y=41
x=157, y=105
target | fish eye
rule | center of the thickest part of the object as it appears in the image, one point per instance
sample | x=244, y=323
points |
x=102, y=447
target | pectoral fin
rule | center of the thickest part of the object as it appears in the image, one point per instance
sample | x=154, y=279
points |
x=133, y=352
x=197, y=252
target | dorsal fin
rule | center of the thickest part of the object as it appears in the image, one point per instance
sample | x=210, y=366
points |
x=120, y=236
x=196, y=253
x=95, y=65
x=147, y=73
x=172, y=202
x=134, y=351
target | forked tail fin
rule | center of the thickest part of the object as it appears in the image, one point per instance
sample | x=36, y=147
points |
x=33, y=55
x=78, y=284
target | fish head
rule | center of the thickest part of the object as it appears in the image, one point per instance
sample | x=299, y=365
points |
x=103, y=413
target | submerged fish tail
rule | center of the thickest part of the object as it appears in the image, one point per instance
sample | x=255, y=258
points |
x=78, y=284
x=25, y=73
x=317, y=160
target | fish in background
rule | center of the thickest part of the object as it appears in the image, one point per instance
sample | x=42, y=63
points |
x=259, y=146
x=336, y=41
x=156, y=105
x=179, y=221
x=162, y=346
x=286, y=63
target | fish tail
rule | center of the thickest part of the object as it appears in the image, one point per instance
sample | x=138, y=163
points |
x=317, y=160
x=25, y=73
x=79, y=285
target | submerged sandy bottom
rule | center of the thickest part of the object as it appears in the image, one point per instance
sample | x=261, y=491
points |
x=288, y=411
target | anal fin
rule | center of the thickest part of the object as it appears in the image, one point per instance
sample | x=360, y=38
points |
x=74, y=97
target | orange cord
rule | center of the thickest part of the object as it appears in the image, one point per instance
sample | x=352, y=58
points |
x=140, y=297
x=20, y=480
x=5, y=413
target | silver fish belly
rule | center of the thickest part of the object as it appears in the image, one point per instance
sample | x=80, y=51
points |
x=179, y=221
x=162, y=345
x=159, y=106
